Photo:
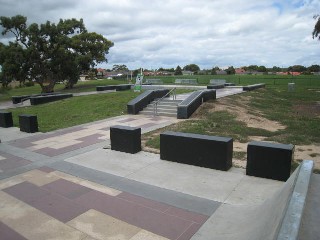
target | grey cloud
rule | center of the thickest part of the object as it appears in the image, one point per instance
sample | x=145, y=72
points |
x=178, y=32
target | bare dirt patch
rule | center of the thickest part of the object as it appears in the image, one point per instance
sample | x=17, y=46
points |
x=310, y=110
x=244, y=113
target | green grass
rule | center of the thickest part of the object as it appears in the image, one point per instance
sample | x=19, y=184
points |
x=6, y=94
x=274, y=103
x=77, y=110
x=302, y=80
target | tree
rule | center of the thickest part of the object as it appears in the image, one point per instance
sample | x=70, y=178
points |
x=118, y=68
x=262, y=69
x=314, y=68
x=276, y=69
x=214, y=70
x=12, y=59
x=192, y=67
x=178, y=71
x=231, y=70
x=316, y=30
x=297, y=68
x=53, y=52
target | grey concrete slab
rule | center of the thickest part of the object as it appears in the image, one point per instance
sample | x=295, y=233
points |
x=242, y=222
x=13, y=133
x=114, y=162
x=206, y=183
x=177, y=199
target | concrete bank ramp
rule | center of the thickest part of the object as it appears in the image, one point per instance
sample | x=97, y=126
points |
x=272, y=219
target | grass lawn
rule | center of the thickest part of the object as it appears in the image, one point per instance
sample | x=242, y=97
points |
x=77, y=110
x=298, y=111
x=87, y=86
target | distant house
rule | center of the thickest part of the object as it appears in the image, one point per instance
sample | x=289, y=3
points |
x=221, y=72
x=240, y=71
x=295, y=73
x=101, y=73
x=187, y=73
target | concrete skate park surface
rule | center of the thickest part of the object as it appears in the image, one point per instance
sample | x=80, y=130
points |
x=67, y=184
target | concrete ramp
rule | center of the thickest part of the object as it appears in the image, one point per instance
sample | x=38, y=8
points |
x=271, y=219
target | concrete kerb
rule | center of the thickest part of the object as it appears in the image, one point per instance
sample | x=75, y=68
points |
x=294, y=212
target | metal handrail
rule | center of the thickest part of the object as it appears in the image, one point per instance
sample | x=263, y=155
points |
x=155, y=104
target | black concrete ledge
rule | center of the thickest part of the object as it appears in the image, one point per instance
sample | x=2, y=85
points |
x=28, y=123
x=137, y=104
x=269, y=160
x=229, y=84
x=120, y=87
x=49, y=98
x=125, y=139
x=198, y=150
x=216, y=86
x=6, y=119
x=189, y=105
x=209, y=94
x=18, y=99
x=254, y=86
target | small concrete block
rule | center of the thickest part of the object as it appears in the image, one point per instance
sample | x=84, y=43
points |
x=269, y=160
x=28, y=123
x=6, y=119
x=125, y=139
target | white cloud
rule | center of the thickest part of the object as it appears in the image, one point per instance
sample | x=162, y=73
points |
x=167, y=33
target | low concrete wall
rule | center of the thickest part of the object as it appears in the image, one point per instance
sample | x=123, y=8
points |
x=192, y=102
x=18, y=99
x=137, y=104
x=198, y=150
x=49, y=98
x=216, y=86
x=269, y=160
x=264, y=221
x=254, y=86
x=119, y=87
x=125, y=139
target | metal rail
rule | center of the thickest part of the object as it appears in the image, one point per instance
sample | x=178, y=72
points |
x=155, y=104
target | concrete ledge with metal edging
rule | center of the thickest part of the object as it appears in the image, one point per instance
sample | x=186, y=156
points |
x=192, y=103
x=21, y=98
x=137, y=104
x=49, y=98
x=120, y=87
x=196, y=149
x=254, y=86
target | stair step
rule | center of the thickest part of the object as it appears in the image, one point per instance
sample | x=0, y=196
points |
x=168, y=114
x=162, y=106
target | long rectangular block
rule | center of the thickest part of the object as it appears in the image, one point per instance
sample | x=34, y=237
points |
x=6, y=119
x=28, y=123
x=125, y=139
x=269, y=160
x=36, y=100
x=198, y=150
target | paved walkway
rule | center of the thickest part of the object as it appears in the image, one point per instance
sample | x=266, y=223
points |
x=73, y=187
x=68, y=184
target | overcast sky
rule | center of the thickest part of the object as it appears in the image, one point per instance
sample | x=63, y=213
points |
x=167, y=33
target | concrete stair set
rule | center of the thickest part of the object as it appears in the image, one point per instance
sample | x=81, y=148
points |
x=166, y=107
